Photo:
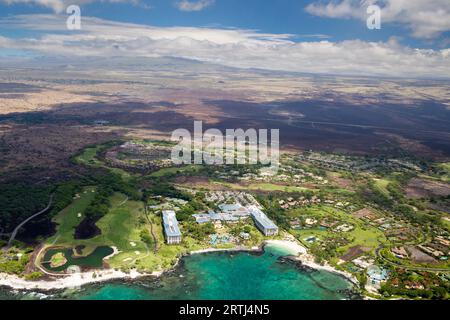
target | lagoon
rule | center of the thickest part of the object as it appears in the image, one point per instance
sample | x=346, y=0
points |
x=93, y=260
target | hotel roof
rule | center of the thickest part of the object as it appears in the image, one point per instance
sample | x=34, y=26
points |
x=202, y=218
x=262, y=218
x=171, y=224
x=235, y=209
x=223, y=217
x=230, y=207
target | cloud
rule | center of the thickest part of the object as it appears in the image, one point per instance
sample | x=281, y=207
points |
x=314, y=35
x=425, y=18
x=59, y=6
x=227, y=47
x=199, y=5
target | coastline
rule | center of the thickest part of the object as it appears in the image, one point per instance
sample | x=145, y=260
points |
x=293, y=249
x=300, y=254
x=70, y=281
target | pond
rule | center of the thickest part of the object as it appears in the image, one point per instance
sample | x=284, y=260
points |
x=93, y=260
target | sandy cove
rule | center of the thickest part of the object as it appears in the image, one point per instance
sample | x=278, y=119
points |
x=295, y=249
x=300, y=254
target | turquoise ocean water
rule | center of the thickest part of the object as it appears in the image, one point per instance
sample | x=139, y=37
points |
x=220, y=275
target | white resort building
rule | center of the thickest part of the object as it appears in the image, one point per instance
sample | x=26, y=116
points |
x=171, y=228
x=262, y=222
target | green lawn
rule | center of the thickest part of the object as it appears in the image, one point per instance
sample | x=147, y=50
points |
x=446, y=167
x=370, y=237
x=276, y=187
x=58, y=259
x=301, y=235
x=121, y=228
x=446, y=223
x=116, y=225
x=381, y=185
x=171, y=171
x=88, y=158
x=127, y=230
x=263, y=187
x=363, y=235
x=68, y=219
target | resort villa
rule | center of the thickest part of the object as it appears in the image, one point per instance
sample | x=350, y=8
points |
x=171, y=228
x=377, y=275
x=233, y=213
x=230, y=213
x=235, y=209
x=262, y=222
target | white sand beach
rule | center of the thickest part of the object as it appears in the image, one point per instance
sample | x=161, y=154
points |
x=300, y=253
x=288, y=244
x=210, y=250
x=292, y=246
x=69, y=281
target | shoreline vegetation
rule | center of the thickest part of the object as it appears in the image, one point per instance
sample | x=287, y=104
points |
x=293, y=249
x=337, y=216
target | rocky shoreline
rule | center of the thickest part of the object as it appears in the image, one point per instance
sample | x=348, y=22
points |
x=295, y=252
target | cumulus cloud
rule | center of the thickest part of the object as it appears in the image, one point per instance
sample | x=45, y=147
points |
x=59, y=6
x=425, y=18
x=199, y=5
x=228, y=47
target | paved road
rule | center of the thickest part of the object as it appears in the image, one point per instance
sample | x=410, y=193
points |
x=16, y=230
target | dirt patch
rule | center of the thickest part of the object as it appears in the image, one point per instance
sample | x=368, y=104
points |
x=420, y=188
x=354, y=252
x=444, y=207
x=365, y=213
x=343, y=182
x=197, y=182
x=418, y=256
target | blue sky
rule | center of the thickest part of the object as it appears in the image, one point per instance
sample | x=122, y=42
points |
x=414, y=39
x=280, y=16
